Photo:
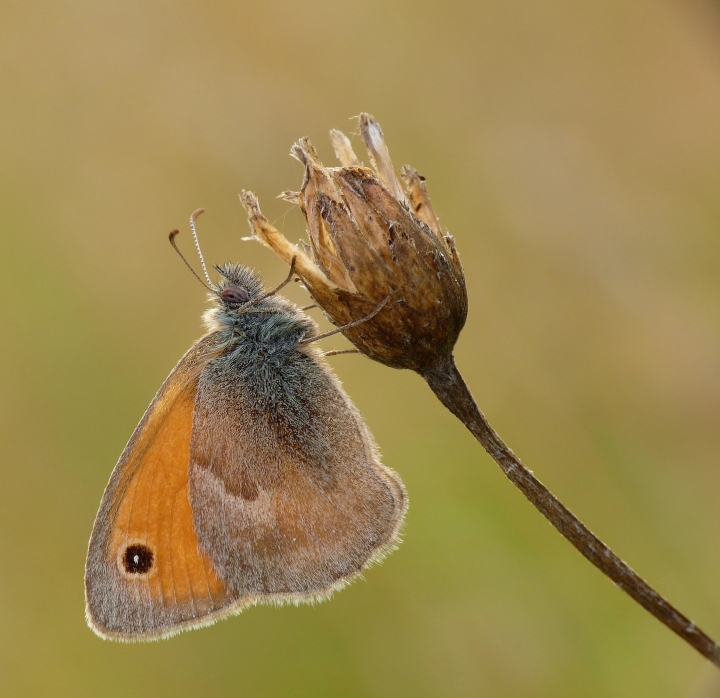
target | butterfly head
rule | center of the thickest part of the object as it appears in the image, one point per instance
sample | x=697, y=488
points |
x=239, y=304
x=238, y=285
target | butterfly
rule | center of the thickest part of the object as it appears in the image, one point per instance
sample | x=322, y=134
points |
x=251, y=478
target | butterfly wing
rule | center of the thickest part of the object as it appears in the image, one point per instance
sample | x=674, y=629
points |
x=288, y=495
x=146, y=576
x=247, y=480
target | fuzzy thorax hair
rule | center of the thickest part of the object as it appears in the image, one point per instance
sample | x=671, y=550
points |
x=273, y=321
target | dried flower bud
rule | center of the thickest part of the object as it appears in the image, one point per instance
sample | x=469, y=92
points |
x=373, y=238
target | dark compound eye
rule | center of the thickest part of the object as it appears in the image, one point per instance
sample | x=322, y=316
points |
x=234, y=294
x=138, y=559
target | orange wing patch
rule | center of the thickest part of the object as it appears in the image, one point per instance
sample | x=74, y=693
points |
x=146, y=575
x=155, y=513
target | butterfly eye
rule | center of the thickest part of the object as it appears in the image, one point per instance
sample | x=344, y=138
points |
x=234, y=294
x=138, y=559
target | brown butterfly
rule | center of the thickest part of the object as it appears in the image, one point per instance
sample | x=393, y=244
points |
x=251, y=478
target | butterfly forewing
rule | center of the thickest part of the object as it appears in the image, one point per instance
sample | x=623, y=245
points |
x=146, y=575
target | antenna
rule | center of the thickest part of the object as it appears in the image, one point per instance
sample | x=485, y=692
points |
x=182, y=256
x=193, y=218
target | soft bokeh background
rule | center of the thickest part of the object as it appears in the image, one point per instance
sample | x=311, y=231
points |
x=573, y=149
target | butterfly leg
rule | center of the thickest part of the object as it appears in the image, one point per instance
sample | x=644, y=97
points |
x=348, y=326
x=272, y=292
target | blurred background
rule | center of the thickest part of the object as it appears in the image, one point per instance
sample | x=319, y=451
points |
x=572, y=149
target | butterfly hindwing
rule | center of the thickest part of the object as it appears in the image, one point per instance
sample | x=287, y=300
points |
x=288, y=495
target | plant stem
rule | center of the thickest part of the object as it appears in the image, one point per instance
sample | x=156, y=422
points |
x=448, y=385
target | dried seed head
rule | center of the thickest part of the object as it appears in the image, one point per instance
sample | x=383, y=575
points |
x=374, y=237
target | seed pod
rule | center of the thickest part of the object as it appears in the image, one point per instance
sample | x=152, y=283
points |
x=374, y=238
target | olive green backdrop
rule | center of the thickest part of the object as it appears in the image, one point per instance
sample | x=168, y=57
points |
x=573, y=150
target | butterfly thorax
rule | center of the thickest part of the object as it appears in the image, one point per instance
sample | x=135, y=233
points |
x=273, y=324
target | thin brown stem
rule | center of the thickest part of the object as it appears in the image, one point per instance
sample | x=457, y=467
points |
x=448, y=385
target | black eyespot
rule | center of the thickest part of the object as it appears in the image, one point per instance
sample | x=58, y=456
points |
x=234, y=294
x=138, y=559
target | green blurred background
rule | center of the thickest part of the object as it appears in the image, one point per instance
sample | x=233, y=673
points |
x=573, y=150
